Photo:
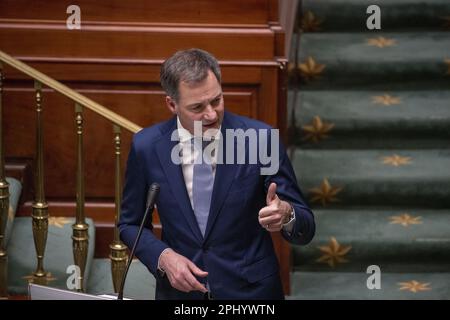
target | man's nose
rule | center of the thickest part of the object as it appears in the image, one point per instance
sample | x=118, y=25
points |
x=210, y=113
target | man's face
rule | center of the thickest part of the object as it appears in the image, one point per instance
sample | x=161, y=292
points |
x=202, y=101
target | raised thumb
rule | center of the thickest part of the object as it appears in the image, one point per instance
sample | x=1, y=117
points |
x=271, y=193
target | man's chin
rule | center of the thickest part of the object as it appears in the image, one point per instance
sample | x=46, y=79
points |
x=210, y=131
x=215, y=128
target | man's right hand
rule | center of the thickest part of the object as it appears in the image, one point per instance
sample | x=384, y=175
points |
x=180, y=271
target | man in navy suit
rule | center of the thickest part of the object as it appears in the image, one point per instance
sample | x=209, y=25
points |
x=217, y=208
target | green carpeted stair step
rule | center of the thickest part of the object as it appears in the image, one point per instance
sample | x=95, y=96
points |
x=374, y=177
x=369, y=125
x=342, y=15
x=348, y=285
x=58, y=254
x=354, y=60
x=376, y=119
x=408, y=240
x=140, y=283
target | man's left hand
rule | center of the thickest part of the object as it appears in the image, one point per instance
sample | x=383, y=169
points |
x=276, y=213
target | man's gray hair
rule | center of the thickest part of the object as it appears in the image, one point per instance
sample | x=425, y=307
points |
x=189, y=66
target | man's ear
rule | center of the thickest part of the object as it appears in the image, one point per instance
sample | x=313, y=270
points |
x=170, y=103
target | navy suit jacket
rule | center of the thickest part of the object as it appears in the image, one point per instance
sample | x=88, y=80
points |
x=236, y=251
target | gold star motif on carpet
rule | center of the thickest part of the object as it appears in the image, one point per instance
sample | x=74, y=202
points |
x=43, y=281
x=310, y=23
x=386, y=100
x=58, y=222
x=414, y=286
x=333, y=253
x=317, y=130
x=325, y=193
x=447, y=61
x=381, y=42
x=310, y=69
x=405, y=220
x=396, y=160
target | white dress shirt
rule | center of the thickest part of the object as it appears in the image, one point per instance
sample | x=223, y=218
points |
x=188, y=154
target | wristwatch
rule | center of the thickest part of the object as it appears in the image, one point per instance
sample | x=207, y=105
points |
x=291, y=215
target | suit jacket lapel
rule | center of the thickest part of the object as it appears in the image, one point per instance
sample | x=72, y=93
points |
x=225, y=174
x=175, y=178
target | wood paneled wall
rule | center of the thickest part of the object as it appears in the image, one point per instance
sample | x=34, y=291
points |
x=115, y=60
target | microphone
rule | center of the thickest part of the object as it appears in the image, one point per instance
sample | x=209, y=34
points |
x=151, y=199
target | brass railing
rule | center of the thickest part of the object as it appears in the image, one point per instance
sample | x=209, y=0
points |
x=80, y=235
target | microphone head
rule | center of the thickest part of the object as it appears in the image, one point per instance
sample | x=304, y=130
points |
x=154, y=187
x=152, y=193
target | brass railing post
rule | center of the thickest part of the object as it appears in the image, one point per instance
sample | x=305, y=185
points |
x=4, y=205
x=40, y=207
x=118, y=256
x=80, y=236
